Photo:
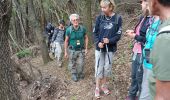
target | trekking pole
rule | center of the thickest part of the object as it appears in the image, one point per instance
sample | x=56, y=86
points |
x=98, y=62
x=108, y=53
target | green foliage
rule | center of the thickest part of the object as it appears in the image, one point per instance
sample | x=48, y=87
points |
x=73, y=98
x=23, y=53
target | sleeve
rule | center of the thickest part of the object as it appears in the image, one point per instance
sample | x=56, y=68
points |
x=140, y=38
x=96, y=30
x=160, y=56
x=117, y=37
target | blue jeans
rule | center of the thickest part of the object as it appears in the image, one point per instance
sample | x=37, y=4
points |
x=136, y=75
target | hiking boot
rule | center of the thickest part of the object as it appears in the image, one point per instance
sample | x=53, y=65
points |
x=81, y=75
x=74, y=77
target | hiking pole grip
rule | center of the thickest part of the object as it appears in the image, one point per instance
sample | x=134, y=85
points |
x=108, y=53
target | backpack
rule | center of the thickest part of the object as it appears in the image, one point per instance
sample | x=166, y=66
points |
x=165, y=29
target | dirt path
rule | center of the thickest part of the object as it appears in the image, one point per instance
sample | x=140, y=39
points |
x=81, y=90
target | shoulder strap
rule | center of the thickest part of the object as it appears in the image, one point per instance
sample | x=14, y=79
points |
x=165, y=29
x=117, y=16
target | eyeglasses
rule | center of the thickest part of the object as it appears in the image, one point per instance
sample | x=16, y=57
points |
x=74, y=20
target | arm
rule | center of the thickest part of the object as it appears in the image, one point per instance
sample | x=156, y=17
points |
x=86, y=43
x=117, y=37
x=162, y=90
x=66, y=46
x=140, y=38
x=143, y=29
x=54, y=35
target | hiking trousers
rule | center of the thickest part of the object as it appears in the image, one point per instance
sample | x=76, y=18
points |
x=58, y=50
x=145, y=94
x=76, y=61
x=136, y=76
x=102, y=66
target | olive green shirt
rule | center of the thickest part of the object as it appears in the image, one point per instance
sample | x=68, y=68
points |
x=160, y=58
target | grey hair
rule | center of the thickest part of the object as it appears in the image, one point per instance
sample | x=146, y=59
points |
x=75, y=15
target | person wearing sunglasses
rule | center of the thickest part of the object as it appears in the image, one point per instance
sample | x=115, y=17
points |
x=76, y=42
x=107, y=32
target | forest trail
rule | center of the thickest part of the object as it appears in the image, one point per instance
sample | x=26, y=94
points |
x=84, y=89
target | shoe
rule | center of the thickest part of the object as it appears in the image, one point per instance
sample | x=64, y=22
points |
x=105, y=90
x=74, y=77
x=81, y=75
x=60, y=64
x=97, y=93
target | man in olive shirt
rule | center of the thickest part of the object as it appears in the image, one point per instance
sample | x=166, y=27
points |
x=77, y=42
x=159, y=81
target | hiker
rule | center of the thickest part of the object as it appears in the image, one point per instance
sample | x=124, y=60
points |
x=147, y=66
x=49, y=30
x=58, y=41
x=159, y=80
x=139, y=35
x=107, y=32
x=76, y=41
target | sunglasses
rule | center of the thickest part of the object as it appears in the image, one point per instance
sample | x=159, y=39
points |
x=74, y=20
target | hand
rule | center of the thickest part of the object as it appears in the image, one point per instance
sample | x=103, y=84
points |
x=101, y=45
x=65, y=55
x=106, y=40
x=131, y=33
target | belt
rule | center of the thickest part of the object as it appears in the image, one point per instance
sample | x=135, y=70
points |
x=76, y=49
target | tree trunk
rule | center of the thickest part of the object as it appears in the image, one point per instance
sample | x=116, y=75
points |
x=88, y=17
x=8, y=88
x=40, y=19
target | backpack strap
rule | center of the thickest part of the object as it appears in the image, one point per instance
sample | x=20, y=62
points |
x=165, y=29
x=117, y=16
x=71, y=29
